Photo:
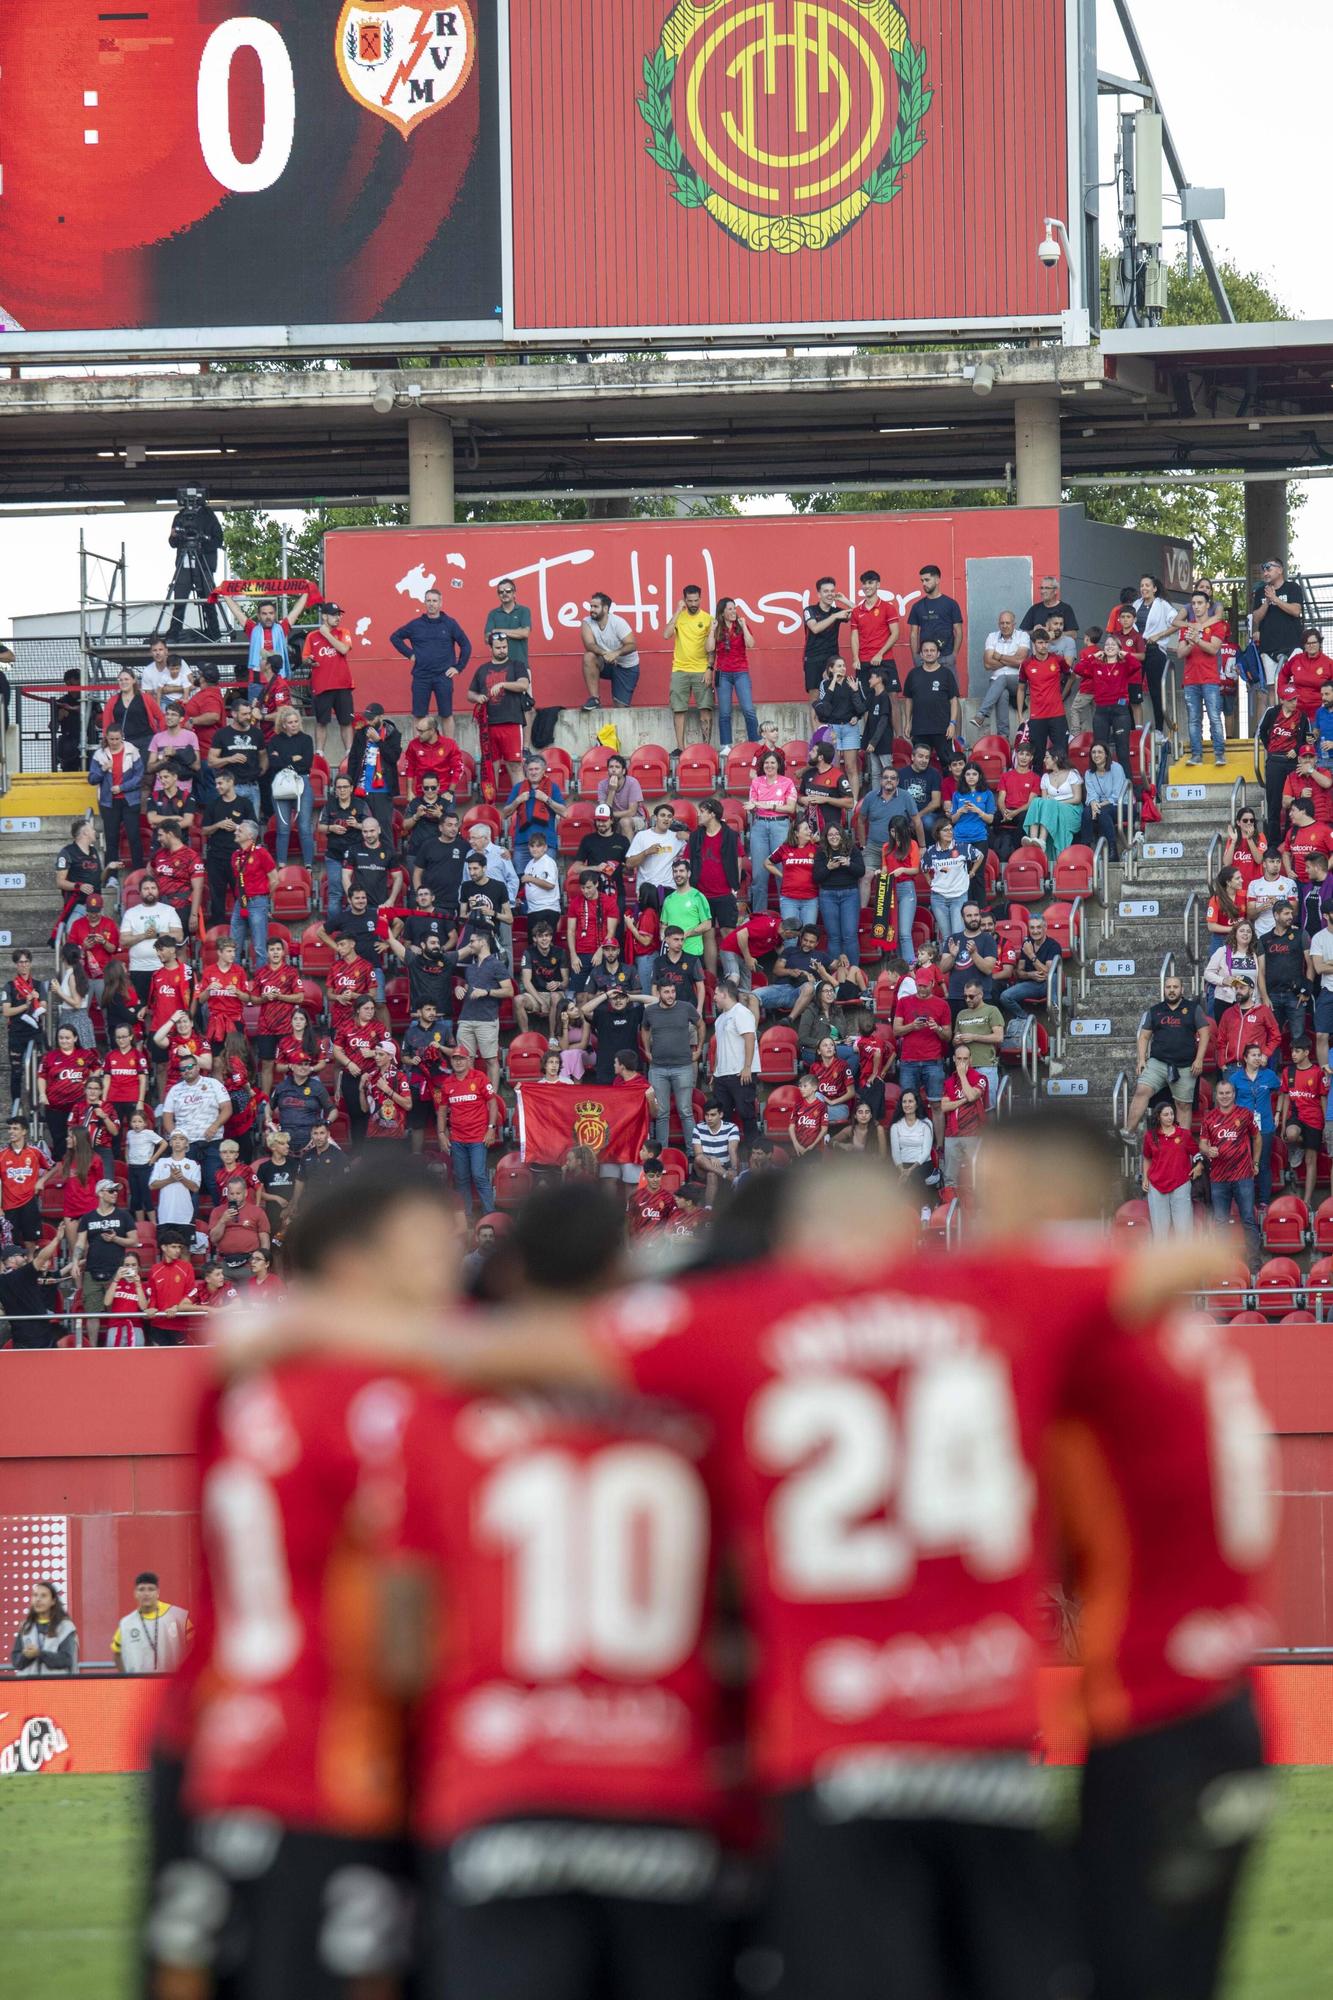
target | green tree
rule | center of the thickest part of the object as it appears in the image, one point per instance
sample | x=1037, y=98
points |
x=253, y=539
x=1212, y=517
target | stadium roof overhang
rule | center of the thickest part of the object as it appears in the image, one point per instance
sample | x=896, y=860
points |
x=1157, y=402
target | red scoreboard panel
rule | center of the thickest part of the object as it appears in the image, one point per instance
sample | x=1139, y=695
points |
x=178, y=175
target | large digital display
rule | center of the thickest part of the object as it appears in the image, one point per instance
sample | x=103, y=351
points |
x=329, y=174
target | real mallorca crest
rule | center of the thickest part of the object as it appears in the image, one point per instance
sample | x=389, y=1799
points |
x=403, y=63
x=590, y=1126
x=785, y=119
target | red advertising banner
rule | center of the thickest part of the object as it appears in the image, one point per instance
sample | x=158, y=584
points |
x=770, y=563
x=107, y=1725
x=717, y=164
x=553, y=1117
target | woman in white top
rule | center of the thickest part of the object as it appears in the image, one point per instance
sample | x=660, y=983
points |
x=1053, y=819
x=74, y=991
x=1235, y=955
x=1154, y=619
x=912, y=1148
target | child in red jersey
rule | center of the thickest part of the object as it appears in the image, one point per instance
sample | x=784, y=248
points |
x=127, y=1304
x=809, y=1119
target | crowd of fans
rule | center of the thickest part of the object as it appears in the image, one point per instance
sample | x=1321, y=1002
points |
x=836, y=940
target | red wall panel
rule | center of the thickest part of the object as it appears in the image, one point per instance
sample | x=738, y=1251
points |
x=601, y=240
x=770, y=563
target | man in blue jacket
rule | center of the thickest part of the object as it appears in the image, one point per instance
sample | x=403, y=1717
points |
x=439, y=650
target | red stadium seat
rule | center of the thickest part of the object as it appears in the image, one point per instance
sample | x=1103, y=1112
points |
x=902, y=752
x=1249, y=1318
x=524, y=1057
x=1080, y=750
x=886, y=993
x=734, y=816
x=779, y=1055
x=675, y=1160
x=398, y=1000
x=1287, y=1224
x=293, y=893
x=697, y=770
x=319, y=779
x=316, y=957
x=1064, y=924
x=513, y=1181
x=991, y=753
x=778, y=1109
x=1319, y=1285
x=482, y=815
x=1277, y=1286
x=592, y=769
x=870, y=946
x=1074, y=873
x=741, y=761
x=560, y=767
x=1297, y=1319
x=1323, y=1225
x=1025, y=875
x=685, y=813
x=576, y=822
x=651, y=765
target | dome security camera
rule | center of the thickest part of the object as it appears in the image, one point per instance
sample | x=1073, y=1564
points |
x=1048, y=250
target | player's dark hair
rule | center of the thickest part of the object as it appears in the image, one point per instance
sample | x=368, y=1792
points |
x=568, y=1238
x=354, y=1207
x=821, y=581
x=147, y=1576
x=869, y=576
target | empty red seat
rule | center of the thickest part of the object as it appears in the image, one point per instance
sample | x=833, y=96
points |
x=576, y=822
x=1319, y=1285
x=991, y=753
x=1080, y=750
x=316, y=957
x=592, y=769
x=779, y=1107
x=886, y=993
x=697, y=770
x=742, y=759
x=1025, y=875
x=1277, y=1286
x=779, y=1054
x=1323, y=1225
x=1074, y=872
x=1297, y=1319
x=482, y=815
x=1064, y=925
x=560, y=767
x=513, y=1181
x=524, y=1057
x=651, y=765
x=1287, y=1224
x=685, y=814
x=293, y=893
x=675, y=1161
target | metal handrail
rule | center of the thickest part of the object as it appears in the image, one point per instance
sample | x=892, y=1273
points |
x=1055, y=1004
x=1101, y=871
x=1193, y=927
x=1004, y=1099
x=1027, y=1048
x=1131, y=835
x=1120, y=1099
x=1168, y=968
x=953, y=1224
x=1211, y=862
x=1237, y=799
x=1078, y=944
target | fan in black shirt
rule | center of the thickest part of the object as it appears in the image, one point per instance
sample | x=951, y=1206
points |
x=438, y=862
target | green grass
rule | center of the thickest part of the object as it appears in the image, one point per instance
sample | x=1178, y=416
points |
x=71, y=1854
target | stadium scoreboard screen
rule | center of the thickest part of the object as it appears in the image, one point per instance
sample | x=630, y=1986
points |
x=326, y=176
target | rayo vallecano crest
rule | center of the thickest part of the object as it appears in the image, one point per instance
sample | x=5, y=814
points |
x=403, y=62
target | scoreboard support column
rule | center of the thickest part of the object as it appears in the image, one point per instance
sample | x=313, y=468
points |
x=430, y=469
x=1037, y=451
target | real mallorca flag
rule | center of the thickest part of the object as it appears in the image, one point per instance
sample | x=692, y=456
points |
x=553, y=1117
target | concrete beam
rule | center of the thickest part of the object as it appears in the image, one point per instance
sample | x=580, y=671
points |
x=430, y=469
x=1037, y=451
x=1266, y=524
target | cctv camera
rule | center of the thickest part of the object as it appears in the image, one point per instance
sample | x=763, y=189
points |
x=1048, y=250
x=383, y=399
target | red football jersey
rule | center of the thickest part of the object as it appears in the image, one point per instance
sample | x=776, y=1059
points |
x=1233, y=1133
x=170, y=991
x=1306, y=1090
x=467, y=1100
x=20, y=1172
x=125, y=1071
x=1166, y=1483
x=278, y=993
x=574, y=1542
x=881, y=1440
x=809, y=1120
x=347, y=982
x=225, y=994
x=98, y=942
x=388, y=1118
x=299, y=1471
x=65, y=1075
x=648, y=1212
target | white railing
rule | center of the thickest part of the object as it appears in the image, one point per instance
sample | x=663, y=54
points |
x=1055, y=1007
x=1193, y=927
x=1167, y=971
x=1101, y=872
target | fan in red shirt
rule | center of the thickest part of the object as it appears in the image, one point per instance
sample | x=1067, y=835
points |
x=651, y=1206
x=753, y=938
x=224, y=990
x=98, y=1118
x=96, y=936
x=795, y=862
x=1304, y=673
x=171, y=990
x=592, y=918
x=430, y=751
x=640, y=932
x=1042, y=674
x=465, y=1102
x=354, y=1049
x=1305, y=836
x=180, y=876
x=808, y=1130
x=279, y=989
x=22, y=1167
x=349, y=979
x=1300, y=1113
x=206, y=711
x=61, y=1075
x=126, y=1069
x=301, y=1473
x=1163, y=1475
x=176, y=1039
x=386, y=1095
x=1246, y=1022
x=1309, y=782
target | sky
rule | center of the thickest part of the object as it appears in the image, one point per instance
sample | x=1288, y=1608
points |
x=1275, y=179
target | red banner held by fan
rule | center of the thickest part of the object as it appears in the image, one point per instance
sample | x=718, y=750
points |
x=553, y=1117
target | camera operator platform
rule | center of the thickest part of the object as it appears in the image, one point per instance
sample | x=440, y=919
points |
x=196, y=536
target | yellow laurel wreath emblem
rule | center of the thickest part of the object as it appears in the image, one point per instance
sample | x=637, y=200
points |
x=784, y=234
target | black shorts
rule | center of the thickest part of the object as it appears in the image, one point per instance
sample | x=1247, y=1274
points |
x=636, y=1914
x=339, y=702
x=724, y=913
x=26, y=1222
x=815, y=670
x=266, y=1046
x=915, y=1908
x=1168, y=1819
x=270, y=1912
